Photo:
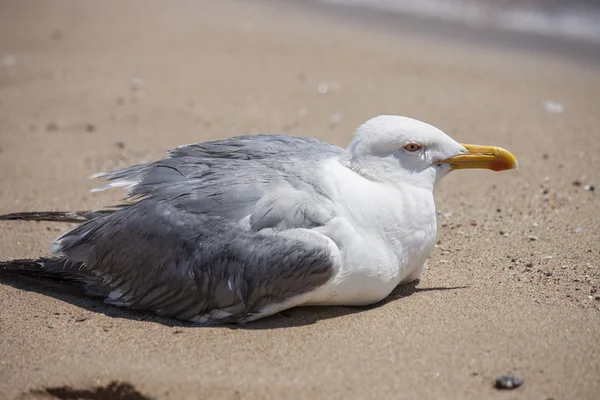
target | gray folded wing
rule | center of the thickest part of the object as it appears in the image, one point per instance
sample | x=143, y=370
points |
x=156, y=256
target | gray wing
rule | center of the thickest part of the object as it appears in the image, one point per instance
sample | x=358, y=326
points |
x=227, y=178
x=156, y=256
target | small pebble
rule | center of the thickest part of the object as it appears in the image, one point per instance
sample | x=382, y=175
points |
x=535, y=224
x=137, y=84
x=57, y=34
x=9, y=60
x=52, y=126
x=547, y=257
x=590, y=188
x=120, y=145
x=548, y=273
x=529, y=265
x=335, y=118
x=473, y=223
x=576, y=182
x=80, y=318
x=579, y=230
x=508, y=382
x=553, y=107
x=322, y=88
x=532, y=238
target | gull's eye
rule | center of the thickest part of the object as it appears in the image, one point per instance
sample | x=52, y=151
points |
x=412, y=147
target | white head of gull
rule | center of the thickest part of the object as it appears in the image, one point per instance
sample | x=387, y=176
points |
x=401, y=151
x=238, y=229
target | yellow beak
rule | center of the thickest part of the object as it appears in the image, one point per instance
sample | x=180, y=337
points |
x=488, y=157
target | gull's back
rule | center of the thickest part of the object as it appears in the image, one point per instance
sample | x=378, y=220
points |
x=227, y=177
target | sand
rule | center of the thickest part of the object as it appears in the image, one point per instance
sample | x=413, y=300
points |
x=512, y=288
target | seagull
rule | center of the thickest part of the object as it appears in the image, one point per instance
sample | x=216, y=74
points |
x=234, y=230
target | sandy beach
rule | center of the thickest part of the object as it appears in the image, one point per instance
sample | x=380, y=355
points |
x=513, y=286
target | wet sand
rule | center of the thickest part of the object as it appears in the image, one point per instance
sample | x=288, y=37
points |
x=512, y=288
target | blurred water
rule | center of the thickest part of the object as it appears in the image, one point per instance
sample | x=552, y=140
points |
x=567, y=18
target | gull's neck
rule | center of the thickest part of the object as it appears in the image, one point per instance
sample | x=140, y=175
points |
x=347, y=161
x=386, y=170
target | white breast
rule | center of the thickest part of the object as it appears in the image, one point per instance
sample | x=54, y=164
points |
x=384, y=235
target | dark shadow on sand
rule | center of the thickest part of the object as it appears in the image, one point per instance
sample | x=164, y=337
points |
x=300, y=316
